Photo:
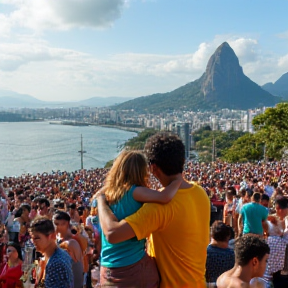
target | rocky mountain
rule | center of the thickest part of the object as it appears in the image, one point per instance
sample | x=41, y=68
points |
x=279, y=88
x=223, y=85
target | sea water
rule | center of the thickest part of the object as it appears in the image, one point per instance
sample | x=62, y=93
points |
x=37, y=147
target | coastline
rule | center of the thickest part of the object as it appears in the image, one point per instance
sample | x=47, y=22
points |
x=79, y=123
x=125, y=128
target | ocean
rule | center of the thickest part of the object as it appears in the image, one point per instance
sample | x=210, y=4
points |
x=37, y=147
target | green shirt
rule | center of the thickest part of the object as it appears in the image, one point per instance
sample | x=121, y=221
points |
x=253, y=214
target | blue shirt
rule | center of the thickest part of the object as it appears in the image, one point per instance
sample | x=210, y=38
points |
x=219, y=260
x=127, y=252
x=253, y=214
x=59, y=270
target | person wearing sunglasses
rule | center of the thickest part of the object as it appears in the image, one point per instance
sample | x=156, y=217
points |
x=11, y=270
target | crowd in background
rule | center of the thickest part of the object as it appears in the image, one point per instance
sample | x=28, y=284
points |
x=229, y=186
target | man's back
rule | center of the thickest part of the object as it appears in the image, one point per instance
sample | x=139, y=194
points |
x=253, y=214
x=180, y=233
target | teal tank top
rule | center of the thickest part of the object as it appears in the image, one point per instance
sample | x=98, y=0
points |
x=127, y=252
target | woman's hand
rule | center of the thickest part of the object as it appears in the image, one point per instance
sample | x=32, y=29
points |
x=99, y=193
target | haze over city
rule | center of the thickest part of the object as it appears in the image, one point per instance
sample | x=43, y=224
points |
x=71, y=50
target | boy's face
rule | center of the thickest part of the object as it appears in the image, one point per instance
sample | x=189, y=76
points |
x=41, y=241
x=42, y=209
x=61, y=226
x=260, y=266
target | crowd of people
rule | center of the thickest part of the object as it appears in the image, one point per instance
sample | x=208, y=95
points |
x=113, y=228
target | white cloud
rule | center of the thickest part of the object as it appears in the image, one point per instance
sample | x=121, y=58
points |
x=14, y=55
x=35, y=67
x=41, y=15
x=245, y=49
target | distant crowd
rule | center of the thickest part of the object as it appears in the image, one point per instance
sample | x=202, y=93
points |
x=62, y=219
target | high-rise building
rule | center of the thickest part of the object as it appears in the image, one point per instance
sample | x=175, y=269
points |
x=183, y=131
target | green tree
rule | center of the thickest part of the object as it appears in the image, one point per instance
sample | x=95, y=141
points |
x=135, y=143
x=222, y=141
x=272, y=129
x=244, y=149
x=138, y=142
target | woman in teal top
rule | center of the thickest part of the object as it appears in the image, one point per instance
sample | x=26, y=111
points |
x=126, y=264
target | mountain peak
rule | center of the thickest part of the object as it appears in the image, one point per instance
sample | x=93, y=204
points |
x=223, y=85
x=222, y=69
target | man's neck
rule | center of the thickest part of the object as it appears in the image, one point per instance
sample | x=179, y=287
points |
x=66, y=235
x=219, y=244
x=166, y=180
x=50, y=250
x=243, y=273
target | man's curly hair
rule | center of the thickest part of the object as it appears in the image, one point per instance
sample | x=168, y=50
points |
x=247, y=247
x=167, y=151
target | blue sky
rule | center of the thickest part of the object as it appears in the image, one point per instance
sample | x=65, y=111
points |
x=77, y=49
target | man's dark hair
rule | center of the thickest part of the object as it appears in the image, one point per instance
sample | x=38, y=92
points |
x=249, y=192
x=61, y=205
x=44, y=201
x=265, y=197
x=42, y=225
x=282, y=202
x=61, y=215
x=167, y=151
x=72, y=206
x=242, y=192
x=256, y=196
x=247, y=247
x=233, y=190
x=23, y=207
x=220, y=231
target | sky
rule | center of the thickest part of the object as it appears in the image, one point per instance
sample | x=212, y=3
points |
x=71, y=50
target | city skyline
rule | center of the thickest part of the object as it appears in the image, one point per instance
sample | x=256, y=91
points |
x=73, y=50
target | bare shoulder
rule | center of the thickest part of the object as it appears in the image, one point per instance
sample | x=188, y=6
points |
x=73, y=244
x=228, y=281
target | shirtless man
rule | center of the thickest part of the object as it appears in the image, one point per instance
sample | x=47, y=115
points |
x=251, y=254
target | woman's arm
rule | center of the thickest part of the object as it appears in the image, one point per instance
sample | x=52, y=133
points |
x=144, y=194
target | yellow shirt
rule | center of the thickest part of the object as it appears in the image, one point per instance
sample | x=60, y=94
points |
x=180, y=236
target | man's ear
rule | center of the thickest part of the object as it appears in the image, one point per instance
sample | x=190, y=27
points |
x=255, y=261
x=52, y=236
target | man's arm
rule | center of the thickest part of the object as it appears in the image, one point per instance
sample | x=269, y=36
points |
x=3, y=194
x=240, y=224
x=113, y=230
x=265, y=227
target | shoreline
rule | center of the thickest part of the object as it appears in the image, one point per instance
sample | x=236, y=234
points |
x=79, y=123
x=125, y=128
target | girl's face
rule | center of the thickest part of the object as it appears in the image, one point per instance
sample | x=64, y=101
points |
x=11, y=253
x=25, y=212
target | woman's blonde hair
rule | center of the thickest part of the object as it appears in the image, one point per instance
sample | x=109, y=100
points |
x=129, y=168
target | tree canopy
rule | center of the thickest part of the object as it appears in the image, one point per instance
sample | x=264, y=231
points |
x=271, y=129
x=138, y=142
x=244, y=149
x=222, y=141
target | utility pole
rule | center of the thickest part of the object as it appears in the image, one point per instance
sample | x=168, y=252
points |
x=213, y=149
x=81, y=152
